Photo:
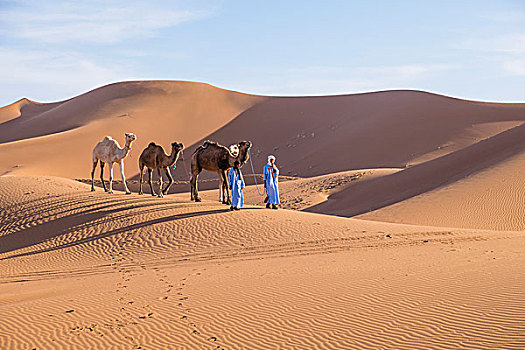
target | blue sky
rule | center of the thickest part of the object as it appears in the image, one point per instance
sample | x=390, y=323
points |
x=53, y=50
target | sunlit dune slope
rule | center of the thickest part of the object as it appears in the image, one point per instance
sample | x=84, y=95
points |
x=92, y=270
x=58, y=138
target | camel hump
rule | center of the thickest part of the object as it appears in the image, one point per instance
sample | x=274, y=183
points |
x=204, y=146
x=198, y=149
x=209, y=143
x=152, y=144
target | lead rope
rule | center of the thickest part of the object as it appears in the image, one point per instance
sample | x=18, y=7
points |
x=254, y=177
x=183, y=163
x=185, y=168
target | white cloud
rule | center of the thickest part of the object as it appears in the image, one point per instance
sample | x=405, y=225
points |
x=45, y=72
x=105, y=22
x=504, y=51
x=61, y=67
x=45, y=51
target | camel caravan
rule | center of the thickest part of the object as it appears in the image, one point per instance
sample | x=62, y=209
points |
x=210, y=156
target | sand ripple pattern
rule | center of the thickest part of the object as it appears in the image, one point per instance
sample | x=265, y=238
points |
x=91, y=270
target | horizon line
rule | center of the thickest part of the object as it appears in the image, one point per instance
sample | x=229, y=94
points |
x=437, y=93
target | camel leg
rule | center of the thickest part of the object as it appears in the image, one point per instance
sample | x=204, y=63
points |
x=226, y=188
x=223, y=183
x=160, y=195
x=195, y=171
x=141, y=176
x=150, y=173
x=102, y=175
x=123, y=176
x=170, y=180
x=221, y=187
x=194, y=187
x=110, y=178
x=93, y=175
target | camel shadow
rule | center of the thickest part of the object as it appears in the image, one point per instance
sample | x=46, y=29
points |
x=22, y=237
x=30, y=236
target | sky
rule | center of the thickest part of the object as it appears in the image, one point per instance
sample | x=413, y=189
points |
x=53, y=50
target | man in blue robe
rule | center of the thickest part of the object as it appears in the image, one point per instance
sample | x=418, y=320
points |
x=271, y=174
x=236, y=182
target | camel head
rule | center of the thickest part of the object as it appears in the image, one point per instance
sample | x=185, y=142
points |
x=234, y=150
x=176, y=147
x=244, y=147
x=130, y=137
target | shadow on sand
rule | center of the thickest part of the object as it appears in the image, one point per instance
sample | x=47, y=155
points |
x=38, y=234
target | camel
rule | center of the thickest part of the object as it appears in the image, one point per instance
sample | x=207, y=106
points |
x=108, y=151
x=153, y=157
x=219, y=159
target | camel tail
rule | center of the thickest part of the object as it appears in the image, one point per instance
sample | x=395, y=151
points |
x=94, y=157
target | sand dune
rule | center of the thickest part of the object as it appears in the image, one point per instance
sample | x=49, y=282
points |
x=13, y=110
x=156, y=111
x=82, y=269
x=391, y=129
x=492, y=199
x=296, y=193
x=426, y=250
x=463, y=164
x=310, y=135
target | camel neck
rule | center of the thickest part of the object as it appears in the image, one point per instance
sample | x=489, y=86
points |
x=173, y=157
x=242, y=156
x=126, y=148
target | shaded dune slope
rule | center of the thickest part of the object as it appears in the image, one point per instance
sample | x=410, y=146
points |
x=378, y=193
x=14, y=110
x=313, y=136
x=491, y=198
x=437, y=140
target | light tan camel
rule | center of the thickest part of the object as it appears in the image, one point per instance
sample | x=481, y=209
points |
x=108, y=151
x=153, y=157
x=216, y=158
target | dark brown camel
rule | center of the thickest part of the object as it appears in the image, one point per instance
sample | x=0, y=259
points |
x=218, y=159
x=153, y=157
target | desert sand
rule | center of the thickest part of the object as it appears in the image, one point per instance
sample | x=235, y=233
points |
x=401, y=225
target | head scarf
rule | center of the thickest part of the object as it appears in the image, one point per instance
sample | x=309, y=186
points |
x=270, y=158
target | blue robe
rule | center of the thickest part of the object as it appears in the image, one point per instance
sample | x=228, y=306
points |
x=236, y=181
x=272, y=187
